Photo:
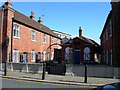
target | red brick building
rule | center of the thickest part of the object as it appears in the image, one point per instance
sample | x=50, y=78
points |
x=110, y=37
x=24, y=39
x=80, y=50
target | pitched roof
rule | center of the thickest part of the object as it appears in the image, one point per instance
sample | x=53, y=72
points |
x=32, y=23
x=107, y=20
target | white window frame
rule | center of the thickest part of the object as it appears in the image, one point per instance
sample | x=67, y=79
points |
x=44, y=38
x=33, y=36
x=33, y=56
x=16, y=31
x=52, y=55
x=48, y=55
x=16, y=55
x=44, y=55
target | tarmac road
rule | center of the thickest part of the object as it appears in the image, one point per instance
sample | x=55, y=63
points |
x=10, y=83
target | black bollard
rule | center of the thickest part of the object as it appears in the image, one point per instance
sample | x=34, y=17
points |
x=43, y=73
x=5, y=69
x=85, y=78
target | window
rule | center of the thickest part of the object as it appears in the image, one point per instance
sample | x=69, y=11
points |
x=111, y=56
x=48, y=56
x=16, y=31
x=56, y=40
x=15, y=55
x=44, y=39
x=110, y=28
x=86, y=53
x=104, y=56
x=44, y=55
x=52, y=40
x=106, y=34
x=33, y=36
x=33, y=56
x=107, y=57
x=52, y=55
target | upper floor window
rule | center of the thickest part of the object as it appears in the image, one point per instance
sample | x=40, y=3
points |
x=52, y=40
x=44, y=39
x=16, y=31
x=33, y=36
x=106, y=34
x=110, y=28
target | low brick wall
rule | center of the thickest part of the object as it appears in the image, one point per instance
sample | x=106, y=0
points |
x=93, y=71
x=25, y=67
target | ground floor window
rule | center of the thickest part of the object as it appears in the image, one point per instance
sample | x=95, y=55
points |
x=52, y=55
x=15, y=55
x=44, y=55
x=33, y=56
x=48, y=56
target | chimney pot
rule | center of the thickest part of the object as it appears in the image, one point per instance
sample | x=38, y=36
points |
x=80, y=32
x=40, y=20
x=32, y=15
x=8, y=3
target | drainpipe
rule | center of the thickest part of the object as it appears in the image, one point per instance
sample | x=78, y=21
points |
x=1, y=38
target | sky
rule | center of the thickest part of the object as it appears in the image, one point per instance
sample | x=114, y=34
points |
x=67, y=17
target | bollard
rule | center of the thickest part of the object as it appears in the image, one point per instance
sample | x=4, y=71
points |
x=43, y=73
x=5, y=69
x=85, y=78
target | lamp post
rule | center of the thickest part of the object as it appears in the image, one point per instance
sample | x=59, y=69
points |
x=85, y=77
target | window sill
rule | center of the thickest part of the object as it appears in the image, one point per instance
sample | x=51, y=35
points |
x=33, y=40
x=32, y=60
x=44, y=42
x=16, y=37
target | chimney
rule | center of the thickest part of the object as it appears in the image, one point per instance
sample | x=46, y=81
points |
x=8, y=3
x=80, y=32
x=40, y=20
x=32, y=15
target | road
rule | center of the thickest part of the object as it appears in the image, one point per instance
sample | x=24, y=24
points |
x=10, y=83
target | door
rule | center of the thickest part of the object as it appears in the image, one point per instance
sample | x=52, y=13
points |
x=76, y=56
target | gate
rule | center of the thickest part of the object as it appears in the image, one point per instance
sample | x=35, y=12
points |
x=55, y=68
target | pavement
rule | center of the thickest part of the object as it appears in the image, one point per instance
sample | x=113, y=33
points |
x=59, y=79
